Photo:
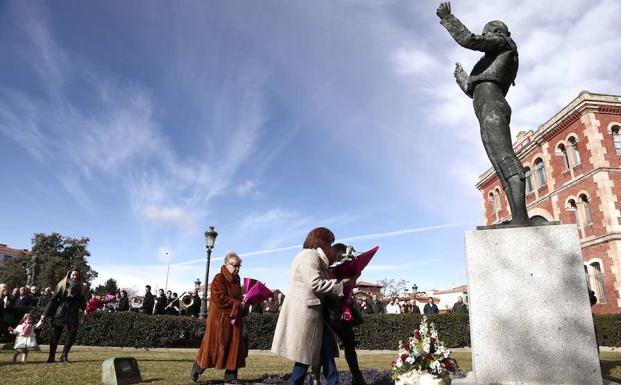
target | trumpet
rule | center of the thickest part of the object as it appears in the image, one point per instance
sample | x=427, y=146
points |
x=186, y=301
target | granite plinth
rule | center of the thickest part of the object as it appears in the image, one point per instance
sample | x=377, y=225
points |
x=470, y=380
x=530, y=315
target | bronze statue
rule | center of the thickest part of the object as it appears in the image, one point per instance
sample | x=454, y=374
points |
x=487, y=85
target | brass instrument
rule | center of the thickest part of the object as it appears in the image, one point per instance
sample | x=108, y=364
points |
x=186, y=301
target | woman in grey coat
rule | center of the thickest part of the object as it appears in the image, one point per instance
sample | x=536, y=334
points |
x=301, y=334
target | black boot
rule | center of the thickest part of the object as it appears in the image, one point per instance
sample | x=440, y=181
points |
x=52, y=357
x=230, y=377
x=357, y=378
x=196, y=371
x=63, y=358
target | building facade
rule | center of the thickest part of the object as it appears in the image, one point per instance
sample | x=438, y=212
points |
x=445, y=299
x=7, y=253
x=573, y=175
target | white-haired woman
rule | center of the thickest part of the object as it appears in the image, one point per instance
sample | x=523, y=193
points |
x=223, y=345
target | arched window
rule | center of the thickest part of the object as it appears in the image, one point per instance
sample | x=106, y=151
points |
x=541, y=172
x=492, y=201
x=562, y=152
x=528, y=180
x=572, y=206
x=573, y=144
x=497, y=202
x=586, y=210
x=616, y=138
x=596, y=280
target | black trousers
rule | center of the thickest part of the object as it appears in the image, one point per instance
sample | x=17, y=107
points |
x=57, y=332
x=348, y=338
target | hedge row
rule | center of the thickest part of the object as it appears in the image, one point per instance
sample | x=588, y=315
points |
x=381, y=332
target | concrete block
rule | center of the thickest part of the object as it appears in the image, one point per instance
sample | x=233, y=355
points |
x=530, y=316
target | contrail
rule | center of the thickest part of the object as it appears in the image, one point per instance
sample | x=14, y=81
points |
x=357, y=237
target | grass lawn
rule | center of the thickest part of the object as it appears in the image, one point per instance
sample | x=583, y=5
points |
x=174, y=368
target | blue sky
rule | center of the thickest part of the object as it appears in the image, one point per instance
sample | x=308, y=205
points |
x=138, y=124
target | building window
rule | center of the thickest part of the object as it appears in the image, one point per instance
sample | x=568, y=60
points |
x=562, y=152
x=497, y=200
x=596, y=281
x=572, y=206
x=573, y=144
x=616, y=138
x=528, y=180
x=587, y=215
x=541, y=172
x=6, y=258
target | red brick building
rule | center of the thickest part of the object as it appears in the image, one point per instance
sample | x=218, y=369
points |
x=573, y=164
x=7, y=253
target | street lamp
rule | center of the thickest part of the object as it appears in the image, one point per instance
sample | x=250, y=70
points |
x=414, y=289
x=167, y=271
x=210, y=240
x=197, y=284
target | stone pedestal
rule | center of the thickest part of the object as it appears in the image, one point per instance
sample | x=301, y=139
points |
x=530, y=316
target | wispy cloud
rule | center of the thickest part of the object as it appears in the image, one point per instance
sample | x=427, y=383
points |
x=114, y=133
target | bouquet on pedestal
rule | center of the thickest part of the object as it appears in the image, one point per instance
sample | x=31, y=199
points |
x=423, y=359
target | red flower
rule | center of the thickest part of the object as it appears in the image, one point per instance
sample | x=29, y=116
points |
x=433, y=340
x=404, y=357
x=417, y=334
x=448, y=364
x=406, y=346
x=429, y=357
x=394, y=363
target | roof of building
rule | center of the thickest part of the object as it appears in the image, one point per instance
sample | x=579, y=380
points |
x=458, y=289
x=369, y=284
x=4, y=248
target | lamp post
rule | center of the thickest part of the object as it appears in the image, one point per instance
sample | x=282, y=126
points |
x=414, y=289
x=197, y=284
x=167, y=271
x=210, y=240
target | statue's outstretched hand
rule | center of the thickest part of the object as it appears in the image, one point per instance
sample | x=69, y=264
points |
x=444, y=10
x=461, y=77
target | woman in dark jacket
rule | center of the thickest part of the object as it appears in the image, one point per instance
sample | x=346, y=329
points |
x=64, y=312
x=123, y=302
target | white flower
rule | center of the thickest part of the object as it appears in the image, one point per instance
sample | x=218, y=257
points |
x=435, y=366
x=399, y=363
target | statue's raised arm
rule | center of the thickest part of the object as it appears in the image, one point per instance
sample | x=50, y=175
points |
x=488, y=84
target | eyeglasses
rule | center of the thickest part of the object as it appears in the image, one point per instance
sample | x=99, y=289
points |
x=238, y=265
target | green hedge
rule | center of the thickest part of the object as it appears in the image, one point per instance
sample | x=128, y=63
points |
x=381, y=332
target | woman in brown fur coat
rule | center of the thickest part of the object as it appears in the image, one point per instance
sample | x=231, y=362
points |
x=223, y=346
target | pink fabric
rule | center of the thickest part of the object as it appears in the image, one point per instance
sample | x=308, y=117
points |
x=26, y=330
x=257, y=293
x=249, y=283
x=353, y=268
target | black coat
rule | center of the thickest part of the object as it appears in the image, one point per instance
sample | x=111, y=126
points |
x=431, y=309
x=24, y=300
x=147, y=303
x=160, y=305
x=123, y=304
x=44, y=300
x=64, y=309
x=460, y=307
